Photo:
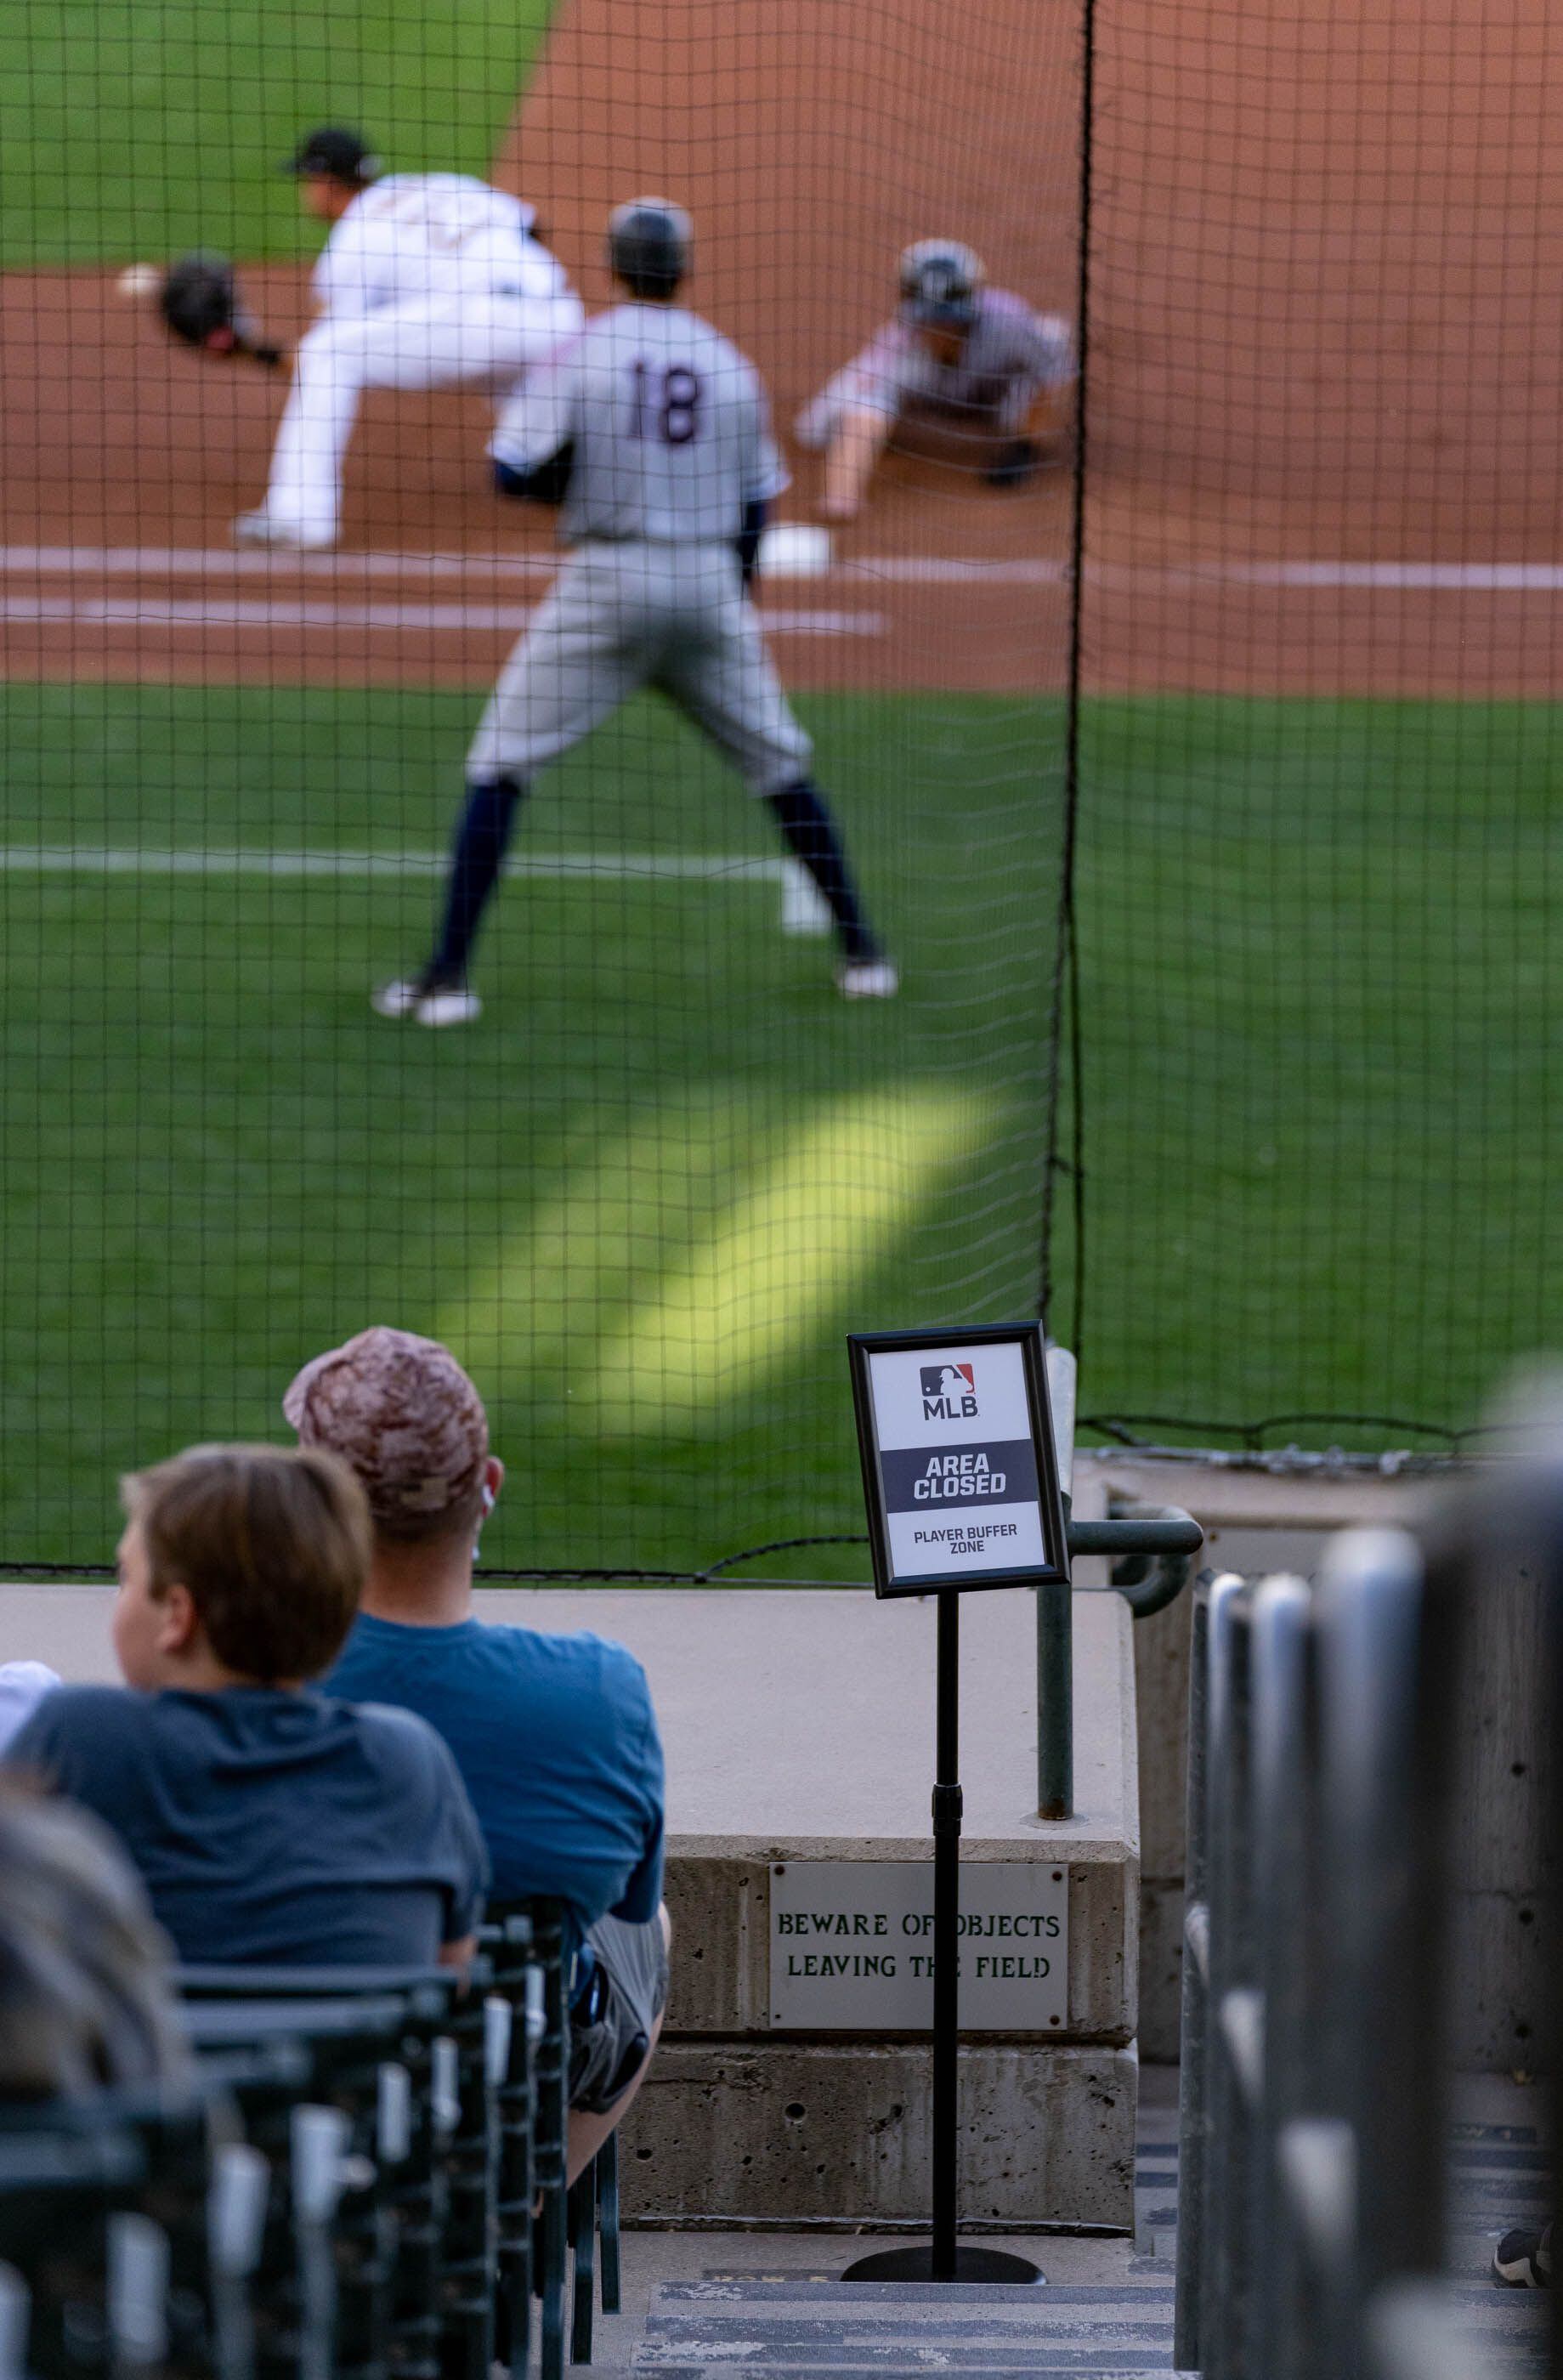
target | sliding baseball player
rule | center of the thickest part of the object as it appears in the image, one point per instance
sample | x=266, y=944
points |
x=971, y=375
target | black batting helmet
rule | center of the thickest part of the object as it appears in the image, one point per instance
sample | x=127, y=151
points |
x=939, y=285
x=648, y=246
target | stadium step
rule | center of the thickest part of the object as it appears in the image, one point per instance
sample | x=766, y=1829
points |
x=814, y=2323
x=708, y=2307
x=810, y=2322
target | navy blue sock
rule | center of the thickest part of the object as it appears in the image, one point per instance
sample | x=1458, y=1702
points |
x=810, y=836
x=476, y=857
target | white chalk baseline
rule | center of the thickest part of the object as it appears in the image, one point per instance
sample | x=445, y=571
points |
x=802, y=911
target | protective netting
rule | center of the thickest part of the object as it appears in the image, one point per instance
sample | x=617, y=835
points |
x=1319, y=752
x=1269, y=1127
x=646, y=1192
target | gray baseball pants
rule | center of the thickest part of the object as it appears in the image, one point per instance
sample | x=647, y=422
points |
x=622, y=616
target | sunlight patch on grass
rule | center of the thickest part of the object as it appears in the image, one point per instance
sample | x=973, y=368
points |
x=534, y=1309
x=780, y=1269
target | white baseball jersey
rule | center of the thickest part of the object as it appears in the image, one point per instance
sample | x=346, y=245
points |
x=428, y=281
x=414, y=238
x=668, y=423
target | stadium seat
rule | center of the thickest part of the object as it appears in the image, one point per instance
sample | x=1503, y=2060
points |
x=345, y=2191
x=401, y=2071
x=507, y=1942
x=135, y=2220
x=59, y=2191
x=519, y=1937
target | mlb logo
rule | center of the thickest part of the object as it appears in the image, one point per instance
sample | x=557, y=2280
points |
x=948, y=1392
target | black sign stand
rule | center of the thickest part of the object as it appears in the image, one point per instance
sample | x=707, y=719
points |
x=944, y=2258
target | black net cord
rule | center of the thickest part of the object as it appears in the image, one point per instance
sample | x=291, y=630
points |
x=713, y=1574
x=1064, y=993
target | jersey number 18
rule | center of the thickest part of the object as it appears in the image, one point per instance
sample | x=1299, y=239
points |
x=664, y=405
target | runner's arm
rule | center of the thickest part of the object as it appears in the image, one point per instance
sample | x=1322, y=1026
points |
x=860, y=438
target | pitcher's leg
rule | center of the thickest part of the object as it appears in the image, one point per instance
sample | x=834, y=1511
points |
x=726, y=681
x=304, y=494
x=810, y=834
x=436, y=345
x=577, y=662
x=482, y=839
x=531, y=329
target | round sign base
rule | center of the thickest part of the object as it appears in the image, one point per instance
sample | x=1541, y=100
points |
x=970, y=2264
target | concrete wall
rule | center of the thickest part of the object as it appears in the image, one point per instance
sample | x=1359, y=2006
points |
x=800, y=1727
x=1257, y=1523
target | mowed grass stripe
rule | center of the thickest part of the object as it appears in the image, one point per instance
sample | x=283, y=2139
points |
x=136, y=128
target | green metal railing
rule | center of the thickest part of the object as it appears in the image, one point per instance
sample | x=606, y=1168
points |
x=1151, y=1548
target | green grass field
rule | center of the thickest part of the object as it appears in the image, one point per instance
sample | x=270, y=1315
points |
x=648, y=1195
x=645, y=1196
x=1321, y=985
x=137, y=128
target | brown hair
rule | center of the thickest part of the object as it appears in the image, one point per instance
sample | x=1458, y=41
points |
x=273, y=1542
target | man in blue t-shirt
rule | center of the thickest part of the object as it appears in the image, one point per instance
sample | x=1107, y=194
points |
x=554, y=1736
x=271, y=1824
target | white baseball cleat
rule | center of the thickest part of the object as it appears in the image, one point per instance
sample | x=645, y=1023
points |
x=433, y=1004
x=398, y=999
x=262, y=527
x=868, y=979
x=455, y=1005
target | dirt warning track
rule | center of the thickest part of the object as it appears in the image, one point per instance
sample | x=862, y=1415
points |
x=1325, y=341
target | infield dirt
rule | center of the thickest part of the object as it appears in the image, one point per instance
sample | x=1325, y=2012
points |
x=1325, y=257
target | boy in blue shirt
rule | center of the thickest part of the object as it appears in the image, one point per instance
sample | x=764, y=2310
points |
x=554, y=1736
x=271, y=1824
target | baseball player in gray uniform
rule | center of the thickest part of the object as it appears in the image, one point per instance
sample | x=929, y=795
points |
x=964, y=372
x=651, y=430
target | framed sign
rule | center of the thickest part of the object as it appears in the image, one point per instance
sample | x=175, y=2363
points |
x=852, y=1946
x=960, y=1471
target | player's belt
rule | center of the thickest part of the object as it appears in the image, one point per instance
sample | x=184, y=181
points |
x=663, y=545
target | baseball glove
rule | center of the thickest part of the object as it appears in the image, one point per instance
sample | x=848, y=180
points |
x=200, y=303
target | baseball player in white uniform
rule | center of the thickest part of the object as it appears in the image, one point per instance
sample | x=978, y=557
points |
x=652, y=431
x=972, y=374
x=426, y=281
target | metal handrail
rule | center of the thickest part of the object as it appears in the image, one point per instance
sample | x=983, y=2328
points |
x=1314, y=2098
x=1152, y=1549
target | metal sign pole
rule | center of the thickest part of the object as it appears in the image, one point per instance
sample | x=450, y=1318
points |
x=947, y=1939
x=943, y=2259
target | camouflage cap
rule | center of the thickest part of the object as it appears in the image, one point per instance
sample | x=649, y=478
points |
x=403, y=1415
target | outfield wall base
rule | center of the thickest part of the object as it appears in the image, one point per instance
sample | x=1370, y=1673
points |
x=809, y=2132
x=799, y=1726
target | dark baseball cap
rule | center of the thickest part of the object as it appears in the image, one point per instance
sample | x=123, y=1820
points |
x=342, y=154
x=649, y=244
